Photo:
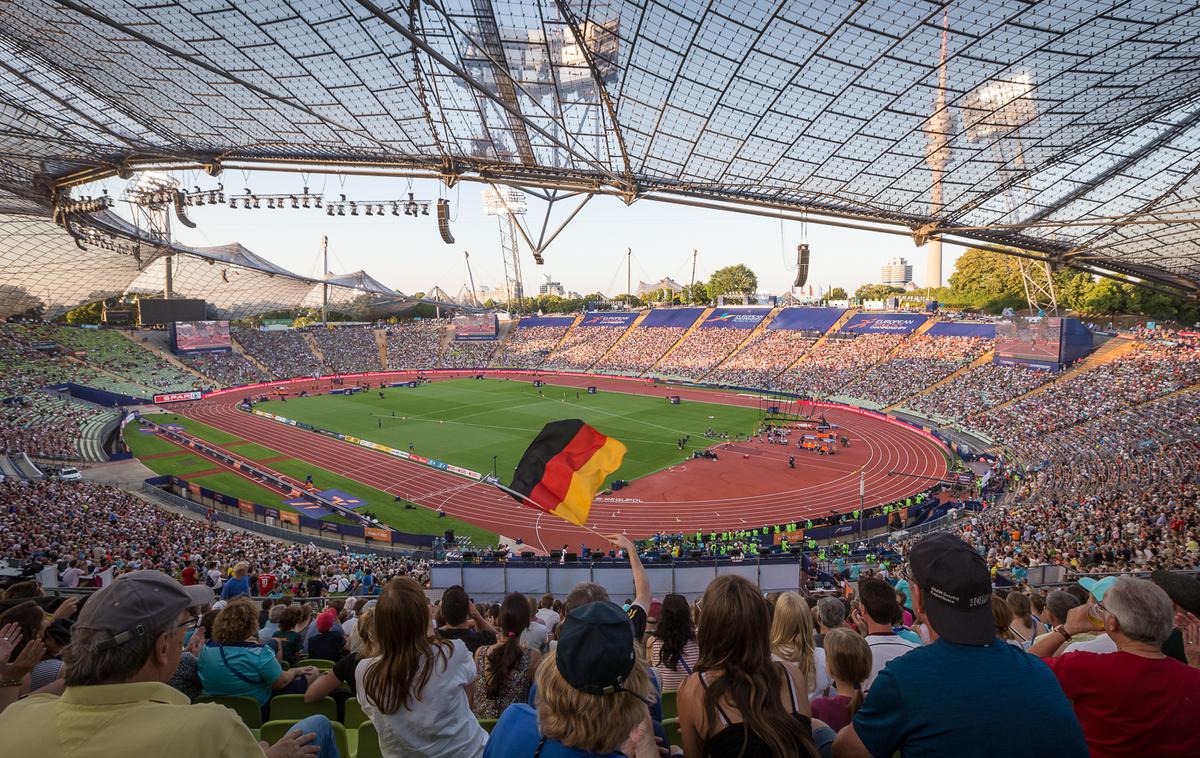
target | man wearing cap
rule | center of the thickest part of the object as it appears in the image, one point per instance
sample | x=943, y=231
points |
x=1135, y=701
x=124, y=647
x=963, y=693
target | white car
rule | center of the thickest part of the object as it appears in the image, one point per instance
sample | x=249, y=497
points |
x=70, y=475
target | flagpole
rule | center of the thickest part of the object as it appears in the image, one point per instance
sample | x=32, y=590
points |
x=538, y=506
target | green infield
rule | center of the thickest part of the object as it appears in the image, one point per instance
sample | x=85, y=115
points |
x=173, y=460
x=468, y=421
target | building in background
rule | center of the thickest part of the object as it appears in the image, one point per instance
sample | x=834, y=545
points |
x=897, y=272
x=551, y=288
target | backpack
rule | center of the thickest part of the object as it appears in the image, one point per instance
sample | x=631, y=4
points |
x=208, y=581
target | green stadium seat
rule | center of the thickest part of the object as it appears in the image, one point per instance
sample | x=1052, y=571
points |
x=246, y=707
x=487, y=724
x=293, y=707
x=274, y=729
x=669, y=708
x=674, y=736
x=320, y=663
x=368, y=742
x=354, y=717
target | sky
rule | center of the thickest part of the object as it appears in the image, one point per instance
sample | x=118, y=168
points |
x=409, y=255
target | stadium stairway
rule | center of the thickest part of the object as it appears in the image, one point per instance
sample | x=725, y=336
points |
x=311, y=341
x=1106, y=353
x=980, y=361
x=253, y=360
x=849, y=314
x=757, y=330
x=381, y=343
x=563, y=338
x=628, y=330
x=8, y=469
x=687, y=333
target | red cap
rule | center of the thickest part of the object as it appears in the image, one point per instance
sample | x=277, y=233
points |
x=325, y=620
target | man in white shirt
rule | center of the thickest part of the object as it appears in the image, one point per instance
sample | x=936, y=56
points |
x=546, y=613
x=70, y=577
x=877, y=611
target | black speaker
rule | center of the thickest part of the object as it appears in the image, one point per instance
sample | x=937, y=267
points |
x=450, y=536
x=572, y=558
x=443, y=217
x=801, y=265
x=527, y=554
x=556, y=555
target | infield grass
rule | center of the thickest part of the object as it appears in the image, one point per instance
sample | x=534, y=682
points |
x=467, y=421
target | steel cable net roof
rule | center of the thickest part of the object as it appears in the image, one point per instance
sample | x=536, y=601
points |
x=1043, y=122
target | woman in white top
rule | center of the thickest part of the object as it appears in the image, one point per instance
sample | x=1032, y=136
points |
x=417, y=690
x=792, y=641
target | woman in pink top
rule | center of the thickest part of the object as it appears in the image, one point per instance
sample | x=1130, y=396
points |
x=848, y=658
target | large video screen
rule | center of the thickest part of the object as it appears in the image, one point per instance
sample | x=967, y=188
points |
x=158, y=311
x=191, y=336
x=476, y=326
x=1029, y=339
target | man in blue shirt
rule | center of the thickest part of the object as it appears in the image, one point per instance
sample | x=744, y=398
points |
x=238, y=584
x=962, y=693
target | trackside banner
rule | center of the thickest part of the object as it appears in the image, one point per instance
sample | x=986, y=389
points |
x=426, y=372
x=176, y=397
x=735, y=318
x=885, y=323
x=608, y=319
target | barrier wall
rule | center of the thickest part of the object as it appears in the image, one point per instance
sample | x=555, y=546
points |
x=683, y=317
x=962, y=329
x=98, y=396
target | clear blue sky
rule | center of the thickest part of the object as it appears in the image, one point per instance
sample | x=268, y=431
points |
x=408, y=254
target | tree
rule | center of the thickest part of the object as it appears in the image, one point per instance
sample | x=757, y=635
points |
x=877, y=291
x=837, y=293
x=85, y=314
x=1104, y=296
x=1153, y=303
x=984, y=275
x=696, y=293
x=733, y=280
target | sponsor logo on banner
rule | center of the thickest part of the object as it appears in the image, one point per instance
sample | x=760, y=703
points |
x=353, y=440
x=271, y=512
x=398, y=453
x=290, y=517
x=464, y=471
x=176, y=397
x=246, y=506
x=418, y=458
x=193, y=488
x=383, y=535
x=328, y=527
x=438, y=464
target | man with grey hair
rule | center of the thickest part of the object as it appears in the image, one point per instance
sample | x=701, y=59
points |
x=124, y=647
x=831, y=614
x=1135, y=701
x=1058, y=604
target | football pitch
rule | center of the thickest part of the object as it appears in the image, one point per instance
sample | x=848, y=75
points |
x=468, y=421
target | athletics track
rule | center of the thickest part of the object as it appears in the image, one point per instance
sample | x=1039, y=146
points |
x=745, y=488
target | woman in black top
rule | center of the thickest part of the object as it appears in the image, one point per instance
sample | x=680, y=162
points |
x=739, y=702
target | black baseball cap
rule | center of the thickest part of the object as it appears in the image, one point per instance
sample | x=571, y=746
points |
x=957, y=589
x=1183, y=589
x=595, y=648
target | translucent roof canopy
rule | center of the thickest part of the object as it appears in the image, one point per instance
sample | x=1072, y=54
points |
x=1066, y=129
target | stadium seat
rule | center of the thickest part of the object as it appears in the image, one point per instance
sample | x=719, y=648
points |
x=354, y=716
x=368, y=742
x=293, y=707
x=673, y=734
x=246, y=707
x=274, y=729
x=668, y=704
x=487, y=724
x=321, y=663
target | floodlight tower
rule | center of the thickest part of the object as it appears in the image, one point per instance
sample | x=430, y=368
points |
x=152, y=197
x=506, y=203
x=937, y=155
x=996, y=110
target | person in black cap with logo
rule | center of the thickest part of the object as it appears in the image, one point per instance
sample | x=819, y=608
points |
x=124, y=647
x=965, y=692
x=592, y=695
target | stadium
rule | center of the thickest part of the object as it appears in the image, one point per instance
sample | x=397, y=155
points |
x=255, y=506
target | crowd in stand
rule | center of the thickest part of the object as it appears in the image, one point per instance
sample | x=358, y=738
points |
x=978, y=389
x=467, y=354
x=582, y=347
x=228, y=369
x=641, y=349
x=700, y=352
x=347, y=349
x=767, y=355
x=919, y=362
x=414, y=344
x=283, y=352
x=529, y=346
x=830, y=366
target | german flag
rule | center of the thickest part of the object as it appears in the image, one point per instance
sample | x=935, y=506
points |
x=564, y=467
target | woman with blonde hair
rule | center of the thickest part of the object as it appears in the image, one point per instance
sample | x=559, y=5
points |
x=848, y=658
x=739, y=702
x=792, y=641
x=592, y=693
x=416, y=688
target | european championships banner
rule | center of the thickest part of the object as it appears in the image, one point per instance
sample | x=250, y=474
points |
x=610, y=318
x=885, y=323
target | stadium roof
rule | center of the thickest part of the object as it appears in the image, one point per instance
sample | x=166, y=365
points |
x=1068, y=129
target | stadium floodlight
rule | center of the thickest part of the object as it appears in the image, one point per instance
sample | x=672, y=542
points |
x=500, y=200
x=998, y=107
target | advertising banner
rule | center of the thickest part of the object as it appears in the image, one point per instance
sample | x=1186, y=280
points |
x=289, y=517
x=885, y=323
x=962, y=329
x=382, y=535
x=609, y=318
x=806, y=319
x=176, y=397
x=560, y=321
x=684, y=317
x=735, y=318
x=245, y=505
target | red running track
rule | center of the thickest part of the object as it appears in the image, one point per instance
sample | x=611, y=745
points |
x=745, y=488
